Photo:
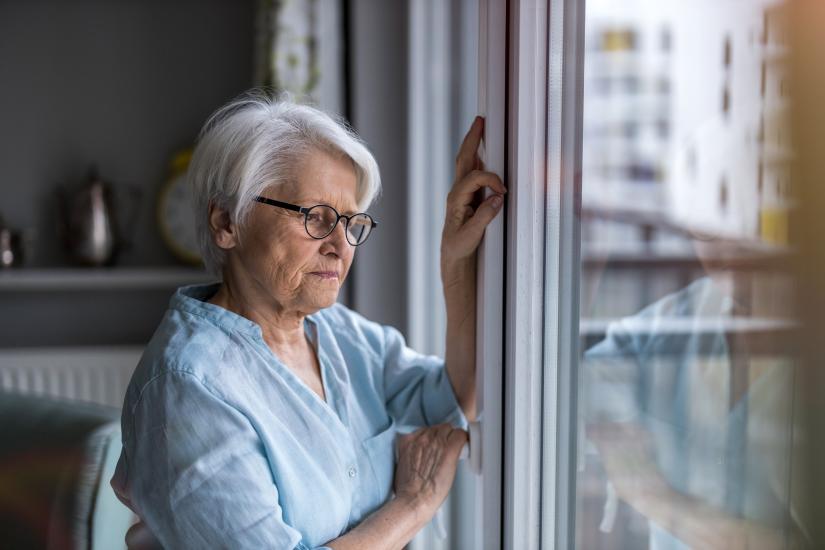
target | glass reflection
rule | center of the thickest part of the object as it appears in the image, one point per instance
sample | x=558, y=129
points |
x=687, y=372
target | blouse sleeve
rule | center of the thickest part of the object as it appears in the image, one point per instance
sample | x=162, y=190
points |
x=197, y=473
x=417, y=389
x=611, y=378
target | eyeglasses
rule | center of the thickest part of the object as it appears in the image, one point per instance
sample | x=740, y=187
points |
x=320, y=220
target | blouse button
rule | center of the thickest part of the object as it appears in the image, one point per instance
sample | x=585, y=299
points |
x=352, y=471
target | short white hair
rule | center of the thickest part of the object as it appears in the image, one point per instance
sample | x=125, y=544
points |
x=256, y=141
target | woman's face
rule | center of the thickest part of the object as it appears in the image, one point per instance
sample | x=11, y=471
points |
x=276, y=252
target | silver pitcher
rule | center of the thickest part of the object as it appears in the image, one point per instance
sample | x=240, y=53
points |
x=11, y=249
x=89, y=222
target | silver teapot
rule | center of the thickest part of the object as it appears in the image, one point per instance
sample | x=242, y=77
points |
x=11, y=248
x=89, y=222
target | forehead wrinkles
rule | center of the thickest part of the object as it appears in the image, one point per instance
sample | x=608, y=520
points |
x=337, y=198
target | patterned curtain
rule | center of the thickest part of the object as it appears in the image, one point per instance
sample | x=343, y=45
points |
x=300, y=50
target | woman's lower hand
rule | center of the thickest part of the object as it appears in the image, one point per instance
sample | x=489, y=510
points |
x=466, y=217
x=427, y=462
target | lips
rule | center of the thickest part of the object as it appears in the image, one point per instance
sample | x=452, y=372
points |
x=326, y=274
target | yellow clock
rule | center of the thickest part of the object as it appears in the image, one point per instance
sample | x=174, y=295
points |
x=175, y=217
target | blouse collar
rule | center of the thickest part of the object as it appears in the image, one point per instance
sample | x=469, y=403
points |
x=193, y=299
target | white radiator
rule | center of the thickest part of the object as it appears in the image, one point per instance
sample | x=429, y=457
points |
x=94, y=374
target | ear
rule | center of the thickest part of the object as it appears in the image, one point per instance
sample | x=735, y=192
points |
x=223, y=229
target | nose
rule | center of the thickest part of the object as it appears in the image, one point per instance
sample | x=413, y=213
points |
x=338, y=238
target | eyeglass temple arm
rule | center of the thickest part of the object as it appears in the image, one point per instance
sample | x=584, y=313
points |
x=280, y=204
x=288, y=206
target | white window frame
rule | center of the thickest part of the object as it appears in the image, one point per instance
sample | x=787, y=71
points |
x=565, y=54
x=529, y=91
x=492, y=77
x=528, y=492
x=527, y=102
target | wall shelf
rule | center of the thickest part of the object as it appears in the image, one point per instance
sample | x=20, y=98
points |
x=90, y=279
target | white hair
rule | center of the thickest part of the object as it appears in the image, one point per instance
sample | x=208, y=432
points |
x=256, y=141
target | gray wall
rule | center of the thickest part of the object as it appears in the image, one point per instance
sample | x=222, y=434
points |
x=378, y=98
x=124, y=83
x=120, y=83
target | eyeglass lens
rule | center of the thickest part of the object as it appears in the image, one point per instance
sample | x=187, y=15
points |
x=321, y=220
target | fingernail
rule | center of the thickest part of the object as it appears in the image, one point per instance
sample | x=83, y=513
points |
x=495, y=201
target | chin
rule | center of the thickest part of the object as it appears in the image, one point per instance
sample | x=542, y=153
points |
x=326, y=300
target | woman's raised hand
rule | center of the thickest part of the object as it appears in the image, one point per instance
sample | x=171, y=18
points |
x=466, y=218
x=427, y=462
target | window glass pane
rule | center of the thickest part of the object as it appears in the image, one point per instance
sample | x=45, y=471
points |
x=686, y=374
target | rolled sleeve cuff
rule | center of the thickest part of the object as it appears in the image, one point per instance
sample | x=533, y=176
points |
x=440, y=402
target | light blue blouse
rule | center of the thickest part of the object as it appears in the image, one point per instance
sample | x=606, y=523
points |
x=225, y=447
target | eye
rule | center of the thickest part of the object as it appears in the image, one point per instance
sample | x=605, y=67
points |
x=313, y=217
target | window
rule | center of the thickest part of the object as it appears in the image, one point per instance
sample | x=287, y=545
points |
x=647, y=358
x=637, y=379
x=685, y=420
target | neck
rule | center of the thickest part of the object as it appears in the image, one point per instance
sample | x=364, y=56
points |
x=282, y=327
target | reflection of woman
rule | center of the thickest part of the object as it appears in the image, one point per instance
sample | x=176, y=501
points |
x=703, y=456
x=263, y=414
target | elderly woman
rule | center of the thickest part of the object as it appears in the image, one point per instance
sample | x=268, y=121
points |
x=263, y=414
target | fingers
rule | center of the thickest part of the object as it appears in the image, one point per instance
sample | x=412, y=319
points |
x=457, y=439
x=464, y=224
x=467, y=158
x=442, y=433
x=475, y=226
x=467, y=227
x=463, y=192
x=450, y=438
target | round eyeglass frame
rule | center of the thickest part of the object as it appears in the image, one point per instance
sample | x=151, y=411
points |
x=305, y=210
